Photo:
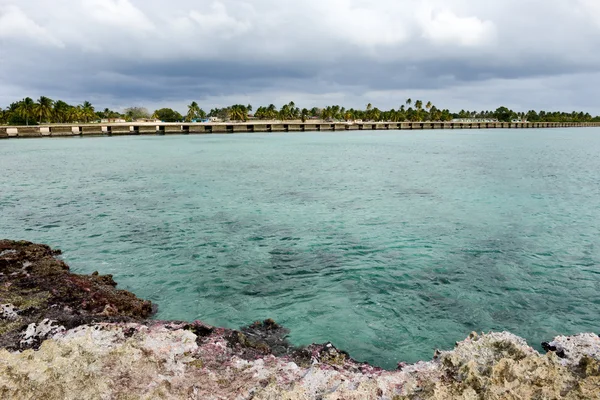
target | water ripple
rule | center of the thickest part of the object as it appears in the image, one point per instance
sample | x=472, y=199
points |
x=389, y=244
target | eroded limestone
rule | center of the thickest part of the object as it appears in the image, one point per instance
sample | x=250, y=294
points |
x=96, y=343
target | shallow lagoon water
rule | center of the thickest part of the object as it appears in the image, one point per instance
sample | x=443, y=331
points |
x=388, y=244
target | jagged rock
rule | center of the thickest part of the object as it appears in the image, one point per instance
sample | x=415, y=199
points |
x=195, y=361
x=95, y=357
x=8, y=312
x=571, y=349
x=40, y=286
x=7, y=252
x=35, y=334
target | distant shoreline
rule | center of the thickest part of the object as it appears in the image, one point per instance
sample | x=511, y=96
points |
x=154, y=128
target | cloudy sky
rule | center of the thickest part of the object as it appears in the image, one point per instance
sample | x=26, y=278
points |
x=472, y=54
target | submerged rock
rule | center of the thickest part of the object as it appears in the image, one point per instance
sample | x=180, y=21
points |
x=138, y=358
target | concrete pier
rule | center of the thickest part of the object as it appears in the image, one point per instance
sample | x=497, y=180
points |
x=148, y=130
x=69, y=130
x=237, y=128
x=29, y=131
x=173, y=129
x=61, y=130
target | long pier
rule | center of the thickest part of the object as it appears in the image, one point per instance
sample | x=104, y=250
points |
x=121, y=129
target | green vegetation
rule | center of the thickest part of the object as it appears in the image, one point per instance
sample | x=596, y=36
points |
x=167, y=115
x=130, y=114
x=236, y=112
x=46, y=110
x=195, y=112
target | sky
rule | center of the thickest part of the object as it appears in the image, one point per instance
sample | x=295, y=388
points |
x=458, y=54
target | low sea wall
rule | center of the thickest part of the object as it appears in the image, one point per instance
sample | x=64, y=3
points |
x=65, y=130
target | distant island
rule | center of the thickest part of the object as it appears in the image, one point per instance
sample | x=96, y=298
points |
x=45, y=110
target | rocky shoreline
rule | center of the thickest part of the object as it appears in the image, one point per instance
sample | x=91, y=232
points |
x=68, y=336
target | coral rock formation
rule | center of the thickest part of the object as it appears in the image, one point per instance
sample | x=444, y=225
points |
x=35, y=285
x=90, y=354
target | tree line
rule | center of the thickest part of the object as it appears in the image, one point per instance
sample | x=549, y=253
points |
x=45, y=110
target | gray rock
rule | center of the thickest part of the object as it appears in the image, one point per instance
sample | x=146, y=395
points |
x=37, y=333
x=572, y=348
x=8, y=312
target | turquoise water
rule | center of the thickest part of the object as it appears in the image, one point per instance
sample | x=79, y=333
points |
x=388, y=244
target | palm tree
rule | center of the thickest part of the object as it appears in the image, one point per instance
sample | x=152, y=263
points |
x=284, y=112
x=60, y=112
x=76, y=114
x=87, y=111
x=376, y=114
x=193, y=111
x=411, y=115
x=289, y=111
x=419, y=107
x=428, y=106
x=44, y=108
x=435, y=114
x=4, y=116
x=271, y=112
x=304, y=114
x=409, y=102
x=238, y=112
x=335, y=112
x=349, y=115
x=391, y=116
x=260, y=113
x=401, y=113
x=26, y=108
x=369, y=112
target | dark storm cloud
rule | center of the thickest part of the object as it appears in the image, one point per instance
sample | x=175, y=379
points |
x=218, y=70
x=456, y=53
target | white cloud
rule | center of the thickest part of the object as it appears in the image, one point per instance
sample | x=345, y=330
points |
x=16, y=25
x=217, y=20
x=445, y=27
x=117, y=13
x=590, y=10
x=359, y=23
x=326, y=49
